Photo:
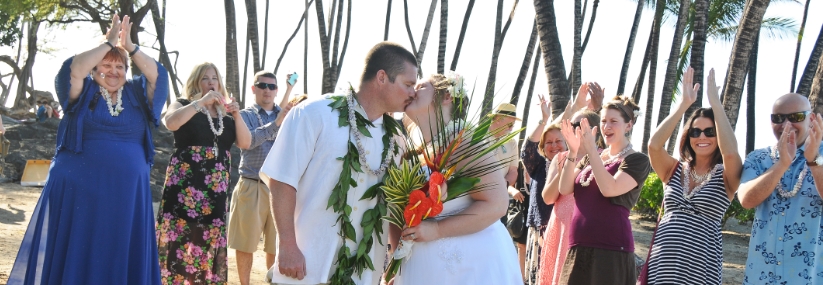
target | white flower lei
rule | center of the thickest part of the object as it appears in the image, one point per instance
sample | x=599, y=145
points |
x=586, y=181
x=456, y=84
x=113, y=110
x=350, y=102
x=688, y=193
x=802, y=176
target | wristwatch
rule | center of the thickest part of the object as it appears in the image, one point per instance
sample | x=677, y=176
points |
x=818, y=161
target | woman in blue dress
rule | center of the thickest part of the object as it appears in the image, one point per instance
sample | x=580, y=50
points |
x=93, y=223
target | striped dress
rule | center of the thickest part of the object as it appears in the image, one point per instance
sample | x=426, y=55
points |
x=688, y=246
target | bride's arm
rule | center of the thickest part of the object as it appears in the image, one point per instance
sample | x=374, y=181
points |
x=486, y=208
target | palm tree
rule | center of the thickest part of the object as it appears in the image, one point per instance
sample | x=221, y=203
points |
x=529, y=96
x=799, y=41
x=624, y=70
x=552, y=54
x=265, y=37
x=524, y=67
x=232, y=66
x=698, y=48
x=669, y=78
x=462, y=36
x=331, y=63
x=806, y=80
x=499, y=36
x=816, y=95
x=750, y=88
x=303, y=18
x=160, y=27
x=388, y=20
x=651, y=50
x=747, y=31
x=577, y=56
x=422, y=48
x=444, y=25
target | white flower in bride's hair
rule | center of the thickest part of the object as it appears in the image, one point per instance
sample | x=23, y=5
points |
x=637, y=113
x=456, y=84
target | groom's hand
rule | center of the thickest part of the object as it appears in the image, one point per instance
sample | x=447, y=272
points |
x=291, y=261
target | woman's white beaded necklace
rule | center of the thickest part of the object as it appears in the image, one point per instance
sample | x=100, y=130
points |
x=782, y=192
x=353, y=130
x=113, y=110
x=586, y=181
x=217, y=132
x=701, y=180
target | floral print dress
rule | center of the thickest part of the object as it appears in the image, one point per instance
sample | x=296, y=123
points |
x=191, y=223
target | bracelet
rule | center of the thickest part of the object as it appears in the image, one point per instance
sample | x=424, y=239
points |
x=197, y=108
x=570, y=159
x=136, y=48
x=109, y=44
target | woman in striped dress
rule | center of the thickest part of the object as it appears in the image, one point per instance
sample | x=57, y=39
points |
x=688, y=246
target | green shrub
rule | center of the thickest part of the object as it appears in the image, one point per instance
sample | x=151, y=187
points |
x=651, y=197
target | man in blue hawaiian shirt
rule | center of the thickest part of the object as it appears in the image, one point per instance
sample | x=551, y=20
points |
x=780, y=181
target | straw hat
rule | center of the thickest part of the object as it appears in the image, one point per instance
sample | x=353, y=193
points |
x=505, y=109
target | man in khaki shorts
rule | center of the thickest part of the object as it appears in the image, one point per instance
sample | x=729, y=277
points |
x=250, y=208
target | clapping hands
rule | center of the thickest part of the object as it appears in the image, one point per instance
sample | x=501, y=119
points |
x=689, y=89
x=120, y=33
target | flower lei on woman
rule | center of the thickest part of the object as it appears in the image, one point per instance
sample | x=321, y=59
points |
x=348, y=262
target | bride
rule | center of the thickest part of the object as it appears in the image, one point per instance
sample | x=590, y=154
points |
x=465, y=244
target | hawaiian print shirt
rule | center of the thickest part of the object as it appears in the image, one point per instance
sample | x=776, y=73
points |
x=786, y=245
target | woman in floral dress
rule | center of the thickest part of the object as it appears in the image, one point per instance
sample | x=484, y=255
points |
x=191, y=223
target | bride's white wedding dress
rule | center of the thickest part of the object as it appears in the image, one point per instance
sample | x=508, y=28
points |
x=484, y=257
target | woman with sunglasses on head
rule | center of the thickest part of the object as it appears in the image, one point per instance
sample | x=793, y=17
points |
x=93, y=221
x=191, y=221
x=687, y=245
x=606, y=185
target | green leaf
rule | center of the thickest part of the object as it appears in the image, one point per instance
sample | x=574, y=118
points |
x=361, y=249
x=459, y=186
x=350, y=233
x=372, y=192
x=348, y=210
x=363, y=130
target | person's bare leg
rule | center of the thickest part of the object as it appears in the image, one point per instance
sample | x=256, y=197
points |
x=521, y=255
x=269, y=260
x=244, y=262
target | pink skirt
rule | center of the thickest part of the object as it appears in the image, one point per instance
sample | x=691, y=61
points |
x=556, y=241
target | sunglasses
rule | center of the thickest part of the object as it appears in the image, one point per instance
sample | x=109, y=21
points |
x=575, y=125
x=263, y=85
x=709, y=132
x=793, y=117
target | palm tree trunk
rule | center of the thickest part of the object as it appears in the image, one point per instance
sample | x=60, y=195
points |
x=462, y=35
x=444, y=25
x=245, y=73
x=750, y=92
x=388, y=20
x=799, y=41
x=591, y=26
x=297, y=29
x=624, y=70
x=499, y=36
x=524, y=67
x=160, y=28
x=552, y=54
x=747, y=32
x=232, y=65
x=265, y=37
x=653, y=49
x=669, y=79
x=577, y=55
x=529, y=95
x=806, y=80
x=21, y=101
x=5, y=96
x=698, y=49
x=638, y=85
x=816, y=95
x=408, y=26
x=422, y=48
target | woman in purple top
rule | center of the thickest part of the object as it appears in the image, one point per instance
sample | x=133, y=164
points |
x=606, y=185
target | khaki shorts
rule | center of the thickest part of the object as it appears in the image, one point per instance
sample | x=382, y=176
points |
x=250, y=216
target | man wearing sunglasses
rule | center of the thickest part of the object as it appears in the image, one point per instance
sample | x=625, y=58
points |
x=250, y=212
x=780, y=183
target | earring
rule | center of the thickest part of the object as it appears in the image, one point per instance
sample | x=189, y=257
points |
x=102, y=75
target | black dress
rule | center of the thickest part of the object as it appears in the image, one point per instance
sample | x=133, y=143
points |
x=191, y=223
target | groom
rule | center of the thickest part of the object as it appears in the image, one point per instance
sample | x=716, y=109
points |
x=312, y=211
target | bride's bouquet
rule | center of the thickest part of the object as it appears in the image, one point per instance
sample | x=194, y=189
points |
x=457, y=155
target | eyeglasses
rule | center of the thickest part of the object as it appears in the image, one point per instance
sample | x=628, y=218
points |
x=263, y=85
x=709, y=132
x=793, y=117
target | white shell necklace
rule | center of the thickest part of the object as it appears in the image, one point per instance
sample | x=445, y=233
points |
x=113, y=110
x=782, y=192
x=216, y=132
x=701, y=180
x=353, y=131
x=586, y=181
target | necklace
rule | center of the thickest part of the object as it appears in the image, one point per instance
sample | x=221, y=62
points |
x=354, y=130
x=216, y=132
x=113, y=110
x=802, y=176
x=586, y=181
x=700, y=179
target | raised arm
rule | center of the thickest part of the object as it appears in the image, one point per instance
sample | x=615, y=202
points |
x=284, y=104
x=242, y=131
x=579, y=102
x=83, y=63
x=662, y=162
x=726, y=141
x=550, y=192
x=569, y=170
x=609, y=185
x=146, y=64
x=177, y=114
x=545, y=110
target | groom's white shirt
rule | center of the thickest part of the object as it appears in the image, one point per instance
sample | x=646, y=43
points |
x=304, y=156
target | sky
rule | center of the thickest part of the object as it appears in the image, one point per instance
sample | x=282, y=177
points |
x=197, y=31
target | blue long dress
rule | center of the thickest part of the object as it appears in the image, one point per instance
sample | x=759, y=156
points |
x=93, y=223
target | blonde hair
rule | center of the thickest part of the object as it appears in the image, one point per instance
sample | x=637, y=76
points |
x=441, y=85
x=193, y=91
